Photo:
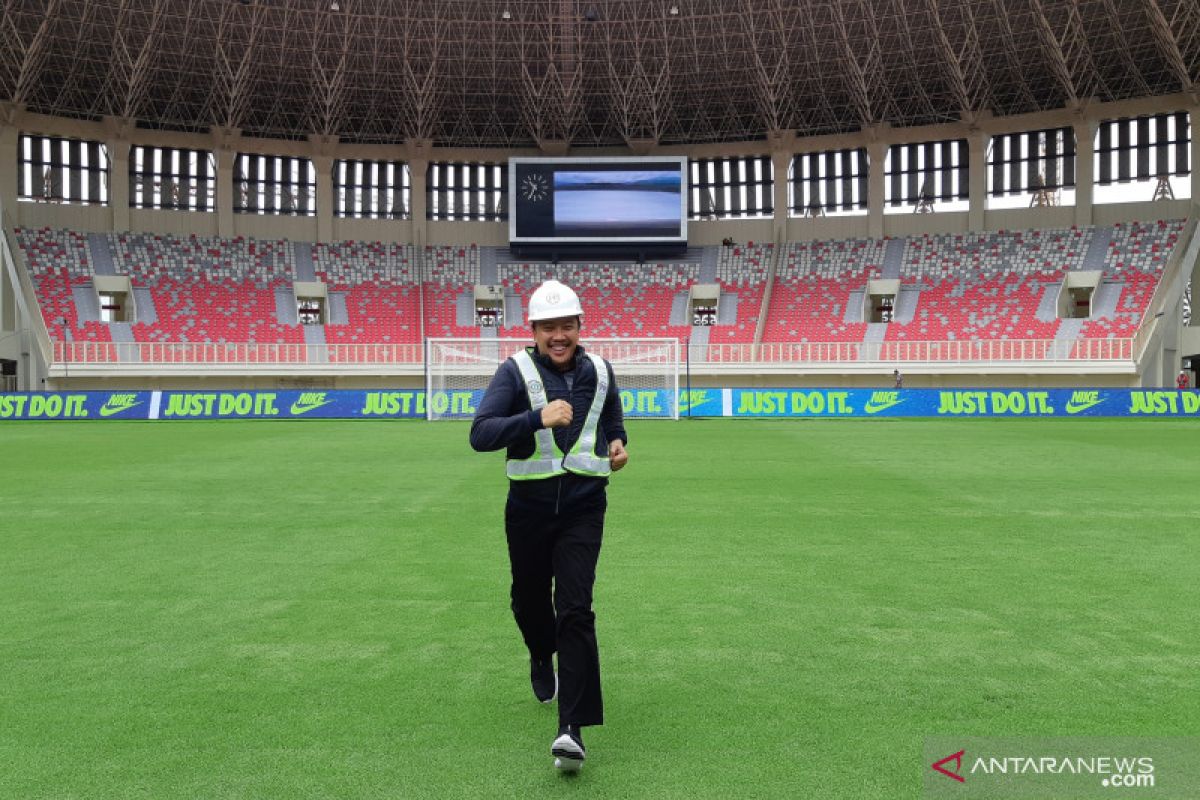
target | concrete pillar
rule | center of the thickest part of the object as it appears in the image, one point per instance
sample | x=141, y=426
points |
x=118, y=135
x=781, y=162
x=322, y=158
x=876, y=154
x=1085, y=173
x=420, y=208
x=9, y=139
x=118, y=182
x=324, y=169
x=225, y=192
x=977, y=179
x=1194, y=162
x=418, y=152
x=1152, y=367
x=225, y=145
x=782, y=144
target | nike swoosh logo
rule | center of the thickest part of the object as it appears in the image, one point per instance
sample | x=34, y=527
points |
x=1075, y=408
x=875, y=408
x=108, y=411
x=298, y=408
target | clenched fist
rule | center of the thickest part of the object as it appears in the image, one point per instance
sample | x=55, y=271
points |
x=617, y=457
x=557, y=414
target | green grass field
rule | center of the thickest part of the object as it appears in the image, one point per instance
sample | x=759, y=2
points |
x=785, y=608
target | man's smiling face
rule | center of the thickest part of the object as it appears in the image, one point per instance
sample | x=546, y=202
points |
x=558, y=339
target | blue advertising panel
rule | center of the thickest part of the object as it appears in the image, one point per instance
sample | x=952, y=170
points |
x=700, y=402
x=740, y=403
x=964, y=403
x=644, y=402
x=75, y=405
x=293, y=404
x=351, y=404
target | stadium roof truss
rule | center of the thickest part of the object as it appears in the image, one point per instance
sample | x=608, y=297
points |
x=551, y=73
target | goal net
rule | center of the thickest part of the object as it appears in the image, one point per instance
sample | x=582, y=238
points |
x=457, y=371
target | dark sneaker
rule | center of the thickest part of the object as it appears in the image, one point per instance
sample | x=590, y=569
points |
x=568, y=749
x=543, y=679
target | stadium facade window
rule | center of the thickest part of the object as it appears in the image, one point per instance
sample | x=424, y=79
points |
x=1142, y=150
x=830, y=182
x=172, y=177
x=466, y=191
x=738, y=187
x=274, y=185
x=51, y=169
x=933, y=171
x=1031, y=168
x=372, y=189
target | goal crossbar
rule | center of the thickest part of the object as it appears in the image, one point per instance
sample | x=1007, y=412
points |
x=458, y=370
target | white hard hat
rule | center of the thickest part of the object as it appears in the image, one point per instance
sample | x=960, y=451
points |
x=552, y=300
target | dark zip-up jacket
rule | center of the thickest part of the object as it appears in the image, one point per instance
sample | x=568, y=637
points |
x=506, y=420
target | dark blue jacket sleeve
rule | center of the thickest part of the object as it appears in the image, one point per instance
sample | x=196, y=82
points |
x=612, y=417
x=504, y=417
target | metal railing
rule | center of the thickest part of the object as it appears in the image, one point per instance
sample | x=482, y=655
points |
x=963, y=351
x=250, y=354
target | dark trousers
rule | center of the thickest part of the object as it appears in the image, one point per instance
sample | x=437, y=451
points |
x=553, y=560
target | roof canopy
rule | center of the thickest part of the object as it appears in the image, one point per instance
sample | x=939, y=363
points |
x=518, y=73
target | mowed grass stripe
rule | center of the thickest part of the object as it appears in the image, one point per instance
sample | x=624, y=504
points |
x=785, y=608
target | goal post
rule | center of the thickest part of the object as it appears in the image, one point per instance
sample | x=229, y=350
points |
x=458, y=370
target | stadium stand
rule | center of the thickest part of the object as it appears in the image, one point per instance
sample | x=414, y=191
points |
x=59, y=262
x=1137, y=253
x=813, y=286
x=986, y=285
x=219, y=291
x=742, y=272
x=379, y=285
x=955, y=287
x=451, y=275
x=621, y=299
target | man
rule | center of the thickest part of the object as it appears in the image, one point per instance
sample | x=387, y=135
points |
x=1181, y=381
x=897, y=379
x=557, y=411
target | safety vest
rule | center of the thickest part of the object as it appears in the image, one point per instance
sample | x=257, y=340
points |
x=547, y=459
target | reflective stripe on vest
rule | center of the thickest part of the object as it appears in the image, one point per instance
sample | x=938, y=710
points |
x=547, y=459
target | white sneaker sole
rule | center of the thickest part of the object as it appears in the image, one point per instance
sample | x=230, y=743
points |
x=568, y=756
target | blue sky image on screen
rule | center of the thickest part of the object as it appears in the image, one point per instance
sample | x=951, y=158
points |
x=629, y=203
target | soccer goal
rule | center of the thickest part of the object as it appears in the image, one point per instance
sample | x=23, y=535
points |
x=457, y=371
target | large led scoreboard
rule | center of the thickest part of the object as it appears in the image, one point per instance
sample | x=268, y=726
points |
x=565, y=202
